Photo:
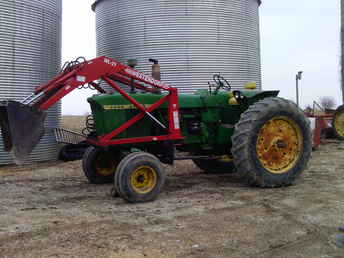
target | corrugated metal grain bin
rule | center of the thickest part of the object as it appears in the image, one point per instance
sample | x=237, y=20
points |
x=30, y=55
x=193, y=39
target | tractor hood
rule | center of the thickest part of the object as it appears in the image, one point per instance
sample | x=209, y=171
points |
x=118, y=102
x=196, y=100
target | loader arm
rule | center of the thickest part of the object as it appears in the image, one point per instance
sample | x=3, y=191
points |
x=22, y=123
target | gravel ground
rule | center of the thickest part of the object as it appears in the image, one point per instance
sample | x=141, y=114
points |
x=50, y=210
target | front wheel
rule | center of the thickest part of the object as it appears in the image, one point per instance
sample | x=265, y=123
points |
x=139, y=177
x=99, y=165
x=272, y=143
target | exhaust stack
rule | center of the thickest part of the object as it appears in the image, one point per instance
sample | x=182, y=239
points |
x=156, y=72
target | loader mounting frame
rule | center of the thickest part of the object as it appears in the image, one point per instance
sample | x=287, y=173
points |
x=112, y=72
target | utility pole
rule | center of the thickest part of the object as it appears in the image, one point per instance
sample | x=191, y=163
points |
x=342, y=47
x=298, y=78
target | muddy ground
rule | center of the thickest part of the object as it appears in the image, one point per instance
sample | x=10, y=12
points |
x=50, y=210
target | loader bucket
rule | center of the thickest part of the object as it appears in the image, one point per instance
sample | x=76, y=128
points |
x=22, y=127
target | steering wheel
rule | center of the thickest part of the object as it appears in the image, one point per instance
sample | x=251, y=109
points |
x=221, y=83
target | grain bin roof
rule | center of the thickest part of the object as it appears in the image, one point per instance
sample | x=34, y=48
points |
x=97, y=1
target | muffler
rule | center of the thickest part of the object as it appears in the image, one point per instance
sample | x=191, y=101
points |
x=22, y=127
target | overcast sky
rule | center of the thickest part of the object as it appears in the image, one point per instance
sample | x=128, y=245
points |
x=295, y=35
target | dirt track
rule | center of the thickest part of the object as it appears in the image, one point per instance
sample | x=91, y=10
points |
x=50, y=210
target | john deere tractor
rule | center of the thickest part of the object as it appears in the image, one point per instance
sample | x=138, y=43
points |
x=263, y=138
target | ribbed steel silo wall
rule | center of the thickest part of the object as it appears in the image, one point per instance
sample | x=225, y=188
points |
x=193, y=39
x=30, y=55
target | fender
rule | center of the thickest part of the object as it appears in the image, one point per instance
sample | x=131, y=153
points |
x=249, y=97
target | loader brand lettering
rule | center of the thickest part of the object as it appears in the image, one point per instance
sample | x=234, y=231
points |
x=121, y=107
x=108, y=61
x=146, y=78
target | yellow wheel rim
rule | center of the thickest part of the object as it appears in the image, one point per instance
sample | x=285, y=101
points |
x=144, y=179
x=105, y=164
x=339, y=123
x=226, y=158
x=279, y=145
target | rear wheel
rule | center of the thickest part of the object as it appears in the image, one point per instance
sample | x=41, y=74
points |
x=99, y=165
x=338, y=123
x=139, y=177
x=225, y=165
x=272, y=143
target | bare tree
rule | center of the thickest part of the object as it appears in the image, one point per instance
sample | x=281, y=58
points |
x=327, y=102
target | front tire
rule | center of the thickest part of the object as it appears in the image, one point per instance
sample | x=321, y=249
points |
x=139, y=177
x=99, y=165
x=272, y=143
x=338, y=123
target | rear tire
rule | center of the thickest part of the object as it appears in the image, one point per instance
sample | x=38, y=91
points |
x=99, y=166
x=215, y=166
x=139, y=177
x=272, y=143
x=338, y=123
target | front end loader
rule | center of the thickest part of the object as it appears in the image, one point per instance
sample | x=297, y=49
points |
x=263, y=138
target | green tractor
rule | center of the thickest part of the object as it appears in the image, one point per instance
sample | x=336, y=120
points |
x=266, y=140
